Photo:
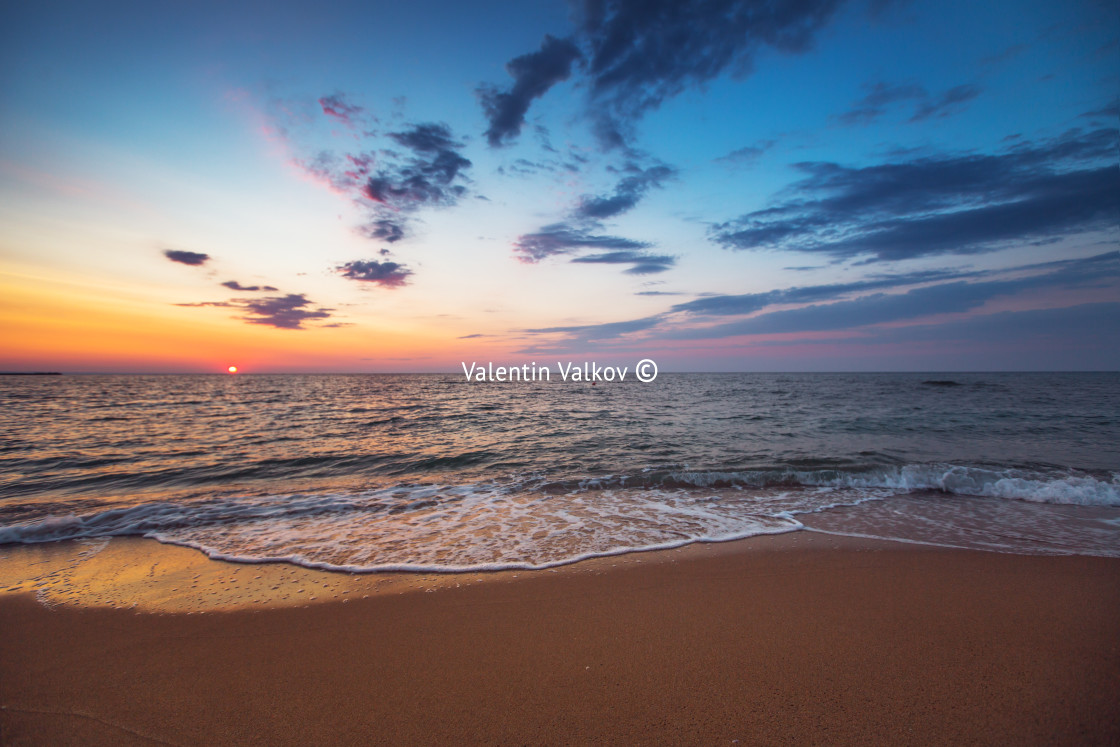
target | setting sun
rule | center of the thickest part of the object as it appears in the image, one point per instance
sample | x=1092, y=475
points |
x=232, y=369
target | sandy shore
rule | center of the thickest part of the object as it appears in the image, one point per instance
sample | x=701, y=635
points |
x=803, y=638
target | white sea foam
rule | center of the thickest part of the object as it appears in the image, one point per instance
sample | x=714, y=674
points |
x=514, y=525
x=1010, y=483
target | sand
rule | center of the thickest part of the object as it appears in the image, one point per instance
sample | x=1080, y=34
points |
x=804, y=638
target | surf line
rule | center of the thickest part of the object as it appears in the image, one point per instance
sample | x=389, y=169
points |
x=590, y=371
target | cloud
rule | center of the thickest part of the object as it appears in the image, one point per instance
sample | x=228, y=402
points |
x=426, y=138
x=385, y=274
x=193, y=259
x=533, y=74
x=282, y=312
x=563, y=238
x=388, y=175
x=336, y=107
x=1081, y=337
x=748, y=303
x=879, y=308
x=1089, y=327
x=641, y=53
x=1110, y=112
x=385, y=229
x=944, y=204
x=749, y=153
x=598, y=332
x=627, y=193
x=955, y=296
x=638, y=53
x=582, y=230
x=641, y=263
x=428, y=178
x=831, y=308
x=234, y=285
x=947, y=103
x=881, y=96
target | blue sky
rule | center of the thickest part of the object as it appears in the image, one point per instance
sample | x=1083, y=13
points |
x=810, y=185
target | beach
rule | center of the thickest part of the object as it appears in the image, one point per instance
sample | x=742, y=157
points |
x=797, y=638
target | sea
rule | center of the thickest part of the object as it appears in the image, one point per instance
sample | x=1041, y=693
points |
x=435, y=473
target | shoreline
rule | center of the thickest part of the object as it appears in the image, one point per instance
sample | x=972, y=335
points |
x=147, y=575
x=794, y=637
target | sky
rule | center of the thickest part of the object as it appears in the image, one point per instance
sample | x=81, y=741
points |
x=717, y=185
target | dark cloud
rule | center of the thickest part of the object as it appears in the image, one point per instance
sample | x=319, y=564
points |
x=584, y=227
x=563, y=238
x=427, y=138
x=881, y=308
x=385, y=274
x=470, y=337
x=1110, y=112
x=1080, y=337
x=749, y=153
x=428, y=178
x=234, y=285
x=641, y=263
x=627, y=193
x=945, y=204
x=595, y=332
x=282, y=312
x=384, y=229
x=748, y=303
x=336, y=107
x=637, y=53
x=423, y=169
x=641, y=52
x=828, y=308
x=1090, y=326
x=947, y=103
x=533, y=74
x=525, y=167
x=881, y=96
x=186, y=258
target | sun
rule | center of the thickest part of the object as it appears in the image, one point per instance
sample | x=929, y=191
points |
x=232, y=369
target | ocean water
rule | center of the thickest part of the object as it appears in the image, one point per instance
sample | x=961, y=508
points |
x=432, y=472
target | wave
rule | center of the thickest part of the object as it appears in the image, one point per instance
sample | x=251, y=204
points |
x=145, y=518
x=529, y=522
x=420, y=528
x=1040, y=486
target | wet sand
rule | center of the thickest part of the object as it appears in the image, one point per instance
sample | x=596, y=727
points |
x=791, y=639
